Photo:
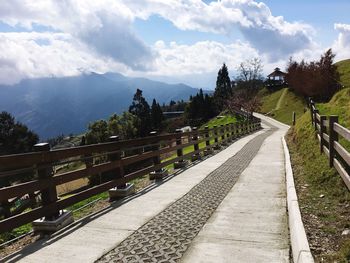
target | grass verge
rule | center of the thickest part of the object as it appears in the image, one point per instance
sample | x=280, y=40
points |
x=323, y=197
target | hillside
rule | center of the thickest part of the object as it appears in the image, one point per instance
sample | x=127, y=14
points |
x=344, y=71
x=340, y=102
x=323, y=197
x=52, y=106
x=281, y=104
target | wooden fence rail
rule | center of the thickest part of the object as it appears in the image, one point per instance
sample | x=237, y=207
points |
x=32, y=174
x=328, y=132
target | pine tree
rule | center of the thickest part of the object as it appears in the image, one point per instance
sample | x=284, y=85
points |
x=200, y=108
x=223, y=87
x=156, y=115
x=141, y=109
x=15, y=137
x=209, y=109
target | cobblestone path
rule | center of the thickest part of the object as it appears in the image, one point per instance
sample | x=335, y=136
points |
x=166, y=237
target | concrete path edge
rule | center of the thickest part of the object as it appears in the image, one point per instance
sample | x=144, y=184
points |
x=300, y=245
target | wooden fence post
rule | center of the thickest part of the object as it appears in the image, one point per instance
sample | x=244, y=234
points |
x=119, y=173
x=315, y=119
x=208, y=149
x=233, y=128
x=333, y=137
x=156, y=147
x=222, y=130
x=121, y=190
x=216, y=138
x=293, y=118
x=322, y=131
x=312, y=112
x=159, y=173
x=179, y=152
x=228, y=133
x=195, y=156
x=44, y=170
x=207, y=141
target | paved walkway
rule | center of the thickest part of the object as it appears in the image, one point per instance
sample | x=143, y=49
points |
x=228, y=208
x=250, y=225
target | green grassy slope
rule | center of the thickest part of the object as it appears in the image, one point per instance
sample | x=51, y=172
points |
x=339, y=105
x=220, y=120
x=323, y=197
x=344, y=71
x=269, y=100
x=281, y=104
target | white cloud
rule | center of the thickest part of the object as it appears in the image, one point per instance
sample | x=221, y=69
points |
x=98, y=36
x=199, y=58
x=269, y=34
x=34, y=55
x=199, y=63
x=105, y=25
x=342, y=45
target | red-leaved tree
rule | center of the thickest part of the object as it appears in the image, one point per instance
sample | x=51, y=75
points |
x=316, y=79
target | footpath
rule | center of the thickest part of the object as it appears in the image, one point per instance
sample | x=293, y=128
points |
x=230, y=207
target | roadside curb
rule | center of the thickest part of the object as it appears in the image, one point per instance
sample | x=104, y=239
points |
x=299, y=243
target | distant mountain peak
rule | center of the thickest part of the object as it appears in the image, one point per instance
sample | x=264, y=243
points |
x=52, y=106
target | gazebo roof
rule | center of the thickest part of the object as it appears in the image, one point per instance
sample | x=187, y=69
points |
x=277, y=73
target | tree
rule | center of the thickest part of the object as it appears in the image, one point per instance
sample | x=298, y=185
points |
x=15, y=137
x=250, y=75
x=209, y=110
x=317, y=79
x=223, y=87
x=141, y=110
x=200, y=108
x=97, y=132
x=175, y=106
x=157, y=115
x=124, y=125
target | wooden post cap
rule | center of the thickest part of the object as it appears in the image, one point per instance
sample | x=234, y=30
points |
x=114, y=138
x=42, y=147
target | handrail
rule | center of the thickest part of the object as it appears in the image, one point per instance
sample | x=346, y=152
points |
x=146, y=158
x=338, y=156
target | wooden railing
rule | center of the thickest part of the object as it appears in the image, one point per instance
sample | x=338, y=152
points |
x=121, y=158
x=328, y=131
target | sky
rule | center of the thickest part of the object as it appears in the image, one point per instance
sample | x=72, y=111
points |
x=169, y=40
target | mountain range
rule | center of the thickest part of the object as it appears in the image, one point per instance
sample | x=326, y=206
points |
x=54, y=106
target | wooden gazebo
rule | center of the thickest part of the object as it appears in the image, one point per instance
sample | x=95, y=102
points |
x=277, y=75
x=276, y=79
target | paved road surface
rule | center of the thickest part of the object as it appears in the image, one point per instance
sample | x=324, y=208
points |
x=229, y=208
